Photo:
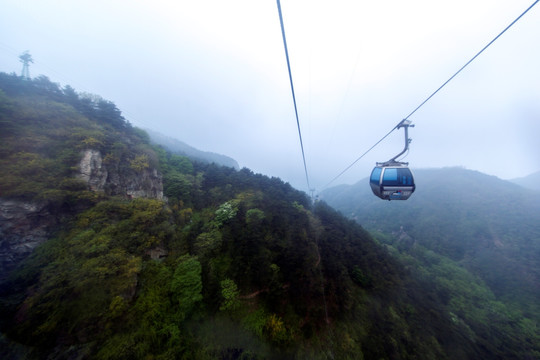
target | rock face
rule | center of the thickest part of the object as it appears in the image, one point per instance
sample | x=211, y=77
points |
x=147, y=184
x=113, y=181
x=23, y=226
x=92, y=171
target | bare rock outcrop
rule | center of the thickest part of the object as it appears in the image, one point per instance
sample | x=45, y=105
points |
x=114, y=180
x=23, y=226
x=92, y=171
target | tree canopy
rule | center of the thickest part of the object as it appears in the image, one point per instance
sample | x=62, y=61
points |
x=232, y=264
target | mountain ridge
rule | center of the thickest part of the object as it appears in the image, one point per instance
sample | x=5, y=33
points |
x=227, y=264
x=182, y=148
x=531, y=181
x=486, y=225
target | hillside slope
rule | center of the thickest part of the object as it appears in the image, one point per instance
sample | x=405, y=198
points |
x=222, y=264
x=488, y=226
x=531, y=181
x=60, y=153
x=181, y=148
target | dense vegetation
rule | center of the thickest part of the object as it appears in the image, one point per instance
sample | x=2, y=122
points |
x=233, y=265
x=531, y=181
x=43, y=130
x=475, y=237
x=181, y=148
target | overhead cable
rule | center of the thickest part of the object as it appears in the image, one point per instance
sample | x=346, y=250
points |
x=436, y=91
x=360, y=157
x=292, y=90
x=472, y=59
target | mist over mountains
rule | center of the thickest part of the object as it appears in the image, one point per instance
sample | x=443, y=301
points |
x=531, y=181
x=453, y=211
x=488, y=226
x=181, y=148
x=112, y=247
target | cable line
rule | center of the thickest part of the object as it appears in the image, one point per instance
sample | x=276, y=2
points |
x=472, y=59
x=305, y=166
x=360, y=157
x=292, y=90
x=436, y=91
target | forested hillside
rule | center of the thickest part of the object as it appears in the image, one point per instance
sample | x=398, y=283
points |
x=477, y=225
x=181, y=148
x=149, y=255
x=531, y=181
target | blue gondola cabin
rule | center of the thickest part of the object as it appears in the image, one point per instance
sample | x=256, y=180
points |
x=392, y=182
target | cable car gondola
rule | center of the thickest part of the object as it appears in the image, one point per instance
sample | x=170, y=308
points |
x=393, y=180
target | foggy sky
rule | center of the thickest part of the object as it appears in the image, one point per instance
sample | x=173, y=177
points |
x=213, y=74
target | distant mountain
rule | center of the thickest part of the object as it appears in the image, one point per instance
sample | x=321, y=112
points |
x=139, y=253
x=531, y=181
x=181, y=148
x=489, y=226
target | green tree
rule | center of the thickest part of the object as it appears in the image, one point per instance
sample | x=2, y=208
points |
x=181, y=164
x=177, y=186
x=207, y=243
x=230, y=294
x=226, y=212
x=276, y=330
x=254, y=216
x=186, y=285
x=140, y=163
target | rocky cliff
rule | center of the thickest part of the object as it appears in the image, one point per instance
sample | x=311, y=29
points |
x=55, y=145
x=26, y=224
x=23, y=226
x=113, y=180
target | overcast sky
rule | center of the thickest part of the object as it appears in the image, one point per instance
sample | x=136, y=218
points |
x=213, y=74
